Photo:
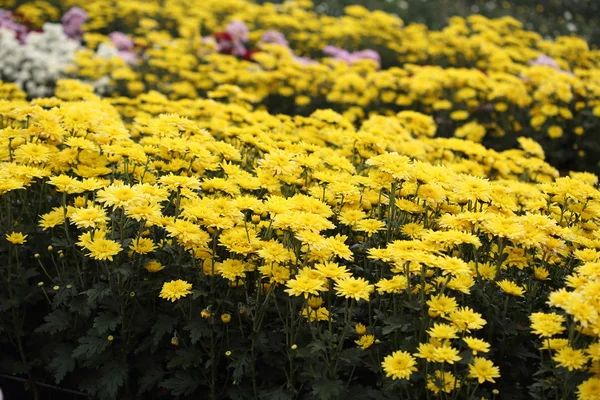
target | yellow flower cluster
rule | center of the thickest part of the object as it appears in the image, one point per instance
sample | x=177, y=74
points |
x=299, y=203
x=483, y=78
x=312, y=197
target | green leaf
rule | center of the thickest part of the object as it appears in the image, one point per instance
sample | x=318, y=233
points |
x=112, y=378
x=150, y=379
x=59, y=242
x=316, y=347
x=199, y=293
x=198, y=329
x=181, y=383
x=327, y=389
x=241, y=366
x=97, y=292
x=62, y=363
x=185, y=358
x=56, y=321
x=124, y=270
x=106, y=322
x=277, y=394
x=90, y=346
x=164, y=324
x=353, y=355
x=79, y=305
x=394, y=323
x=64, y=296
x=466, y=356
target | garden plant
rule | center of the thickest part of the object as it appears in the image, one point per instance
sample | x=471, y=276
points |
x=233, y=200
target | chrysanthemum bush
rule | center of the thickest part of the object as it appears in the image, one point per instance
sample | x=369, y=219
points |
x=155, y=248
x=488, y=80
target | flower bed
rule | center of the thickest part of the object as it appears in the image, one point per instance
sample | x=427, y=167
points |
x=242, y=219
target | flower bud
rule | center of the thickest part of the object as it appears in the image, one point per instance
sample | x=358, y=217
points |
x=226, y=318
x=315, y=302
x=360, y=329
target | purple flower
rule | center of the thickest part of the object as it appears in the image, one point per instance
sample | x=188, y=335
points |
x=5, y=15
x=238, y=31
x=345, y=55
x=304, y=60
x=121, y=41
x=72, y=22
x=367, y=54
x=128, y=56
x=544, y=60
x=548, y=61
x=274, y=37
x=7, y=22
x=336, y=52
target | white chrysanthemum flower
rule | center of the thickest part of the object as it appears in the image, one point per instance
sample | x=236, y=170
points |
x=39, y=62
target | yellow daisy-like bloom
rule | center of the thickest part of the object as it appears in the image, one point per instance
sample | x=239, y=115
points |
x=119, y=196
x=396, y=284
x=174, y=290
x=90, y=217
x=370, y=226
x=103, y=249
x=52, y=219
x=365, y=341
x=426, y=351
x=142, y=245
x=483, y=370
x=570, y=358
x=320, y=314
x=360, y=329
x=547, y=325
x=477, y=345
x=589, y=390
x=399, y=365
x=446, y=354
x=154, y=266
x=16, y=238
x=443, y=331
x=304, y=285
x=332, y=270
x=511, y=288
x=354, y=288
x=465, y=319
x=442, y=382
x=65, y=183
x=541, y=273
x=174, y=182
x=531, y=146
x=441, y=305
x=231, y=269
x=554, y=344
x=33, y=153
